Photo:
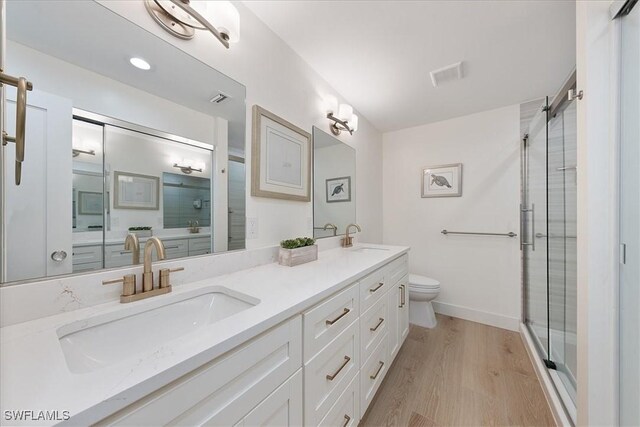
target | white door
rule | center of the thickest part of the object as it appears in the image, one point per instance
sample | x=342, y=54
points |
x=37, y=217
x=281, y=408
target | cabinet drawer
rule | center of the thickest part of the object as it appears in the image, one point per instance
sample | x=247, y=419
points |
x=199, y=252
x=326, y=320
x=346, y=411
x=397, y=269
x=86, y=254
x=77, y=268
x=372, y=288
x=374, y=324
x=116, y=256
x=200, y=244
x=176, y=248
x=224, y=390
x=372, y=373
x=328, y=374
x=283, y=407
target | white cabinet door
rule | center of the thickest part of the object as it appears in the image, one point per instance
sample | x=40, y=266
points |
x=403, y=318
x=283, y=407
x=37, y=217
x=395, y=312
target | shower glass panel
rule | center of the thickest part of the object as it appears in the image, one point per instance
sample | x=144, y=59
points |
x=549, y=241
x=534, y=222
x=561, y=243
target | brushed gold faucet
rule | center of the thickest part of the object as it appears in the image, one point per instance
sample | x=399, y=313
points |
x=129, y=293
x=131, y=243
x=347, y=242
x=147, y=275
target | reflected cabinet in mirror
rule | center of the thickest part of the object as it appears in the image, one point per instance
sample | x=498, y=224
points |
x=113, y=150
x=334, y=192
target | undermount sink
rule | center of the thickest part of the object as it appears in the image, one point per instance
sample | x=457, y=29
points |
x=367, y=249
x=103, y=340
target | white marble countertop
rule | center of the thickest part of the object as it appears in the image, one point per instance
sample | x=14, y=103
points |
x=34, y=371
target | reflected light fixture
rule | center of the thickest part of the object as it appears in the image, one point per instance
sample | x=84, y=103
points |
x=76, y=152
x=187, y=169
x=345, y=120
x=140, y=63
x=182, y=17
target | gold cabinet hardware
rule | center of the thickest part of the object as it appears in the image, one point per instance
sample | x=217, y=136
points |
x=374, y=376
x=403, y=297
x=347, y=418
x=165, y=274
x=128, y=284
x=344, y=313
x=21, y=119
x=380, y=284
x=335, y=374
x=375, y=328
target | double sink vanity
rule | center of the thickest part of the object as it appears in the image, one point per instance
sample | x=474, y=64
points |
x=307, y=345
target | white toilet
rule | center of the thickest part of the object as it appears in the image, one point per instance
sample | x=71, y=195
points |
x=422, y=290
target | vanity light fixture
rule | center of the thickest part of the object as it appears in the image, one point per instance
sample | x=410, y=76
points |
x=186, y=169
x=75, y=152
x=182, y=17
x=345, y=120
x=140, y=63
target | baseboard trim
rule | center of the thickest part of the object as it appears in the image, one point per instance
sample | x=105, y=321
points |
x=558, y=411
x=486, y=318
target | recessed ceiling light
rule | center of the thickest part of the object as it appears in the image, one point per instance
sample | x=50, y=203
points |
x=140, y=63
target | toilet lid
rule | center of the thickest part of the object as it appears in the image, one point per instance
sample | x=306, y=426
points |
x=421, y=282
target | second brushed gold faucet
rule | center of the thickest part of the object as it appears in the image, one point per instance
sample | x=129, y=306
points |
x=147, y=275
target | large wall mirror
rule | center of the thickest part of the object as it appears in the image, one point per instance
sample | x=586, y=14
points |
x=334, y=190
x=113, y=148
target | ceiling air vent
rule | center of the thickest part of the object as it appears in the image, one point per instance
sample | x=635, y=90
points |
x=219, y=98
x=446, y=74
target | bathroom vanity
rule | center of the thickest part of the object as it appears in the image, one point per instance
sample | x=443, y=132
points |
x=308, y=345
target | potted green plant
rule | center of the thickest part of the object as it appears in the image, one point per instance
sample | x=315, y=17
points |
x=141, y=231
x=297, y=251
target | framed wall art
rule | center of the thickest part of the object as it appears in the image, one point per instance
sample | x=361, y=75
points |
x=135, y=191
x=281, y=158
x=339, y=189
x=442, y=181
x=89, y=203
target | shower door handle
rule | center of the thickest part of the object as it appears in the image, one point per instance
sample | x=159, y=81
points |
x=523, y=212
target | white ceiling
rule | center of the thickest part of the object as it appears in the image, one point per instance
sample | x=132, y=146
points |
x=378, y=54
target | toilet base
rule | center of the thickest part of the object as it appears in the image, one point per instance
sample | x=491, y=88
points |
x=421, y=314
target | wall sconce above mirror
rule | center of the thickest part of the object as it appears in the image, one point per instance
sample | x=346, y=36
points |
x=345, y=120
x=182, y=17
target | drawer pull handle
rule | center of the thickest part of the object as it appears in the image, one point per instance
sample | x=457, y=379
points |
x=403, y=295
x=346, y=360
x=172, y=247
x=380, y=284
x=374, y=376
x=375, y=328
x=344, y=313
x=347, y=418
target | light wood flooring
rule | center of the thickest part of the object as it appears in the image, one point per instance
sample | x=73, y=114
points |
x=460, y=373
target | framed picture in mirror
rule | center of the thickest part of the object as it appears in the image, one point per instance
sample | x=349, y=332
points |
x=339, y=189
x=89, y=203
x=281, y=153
x=135, y=191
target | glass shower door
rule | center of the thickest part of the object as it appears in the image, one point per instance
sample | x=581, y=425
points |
x=534, y=221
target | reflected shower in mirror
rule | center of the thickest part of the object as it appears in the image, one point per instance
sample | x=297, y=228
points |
x=334, y=191
x=113, y=149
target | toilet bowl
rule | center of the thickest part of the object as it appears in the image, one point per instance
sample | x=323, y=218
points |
x=422, y=290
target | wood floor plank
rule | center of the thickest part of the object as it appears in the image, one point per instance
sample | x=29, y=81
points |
x=460, y=373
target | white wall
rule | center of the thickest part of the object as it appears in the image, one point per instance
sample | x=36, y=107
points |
x=597, y=43
x=479, y=275
x=280, y=81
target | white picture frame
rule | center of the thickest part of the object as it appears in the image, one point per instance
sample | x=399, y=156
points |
x=338, y=189
x=135, y=191
x=281, y=158
x=90, y=203
x=442, y=181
